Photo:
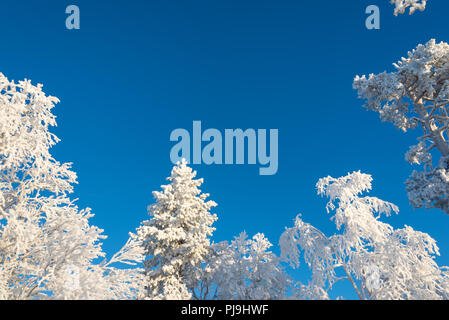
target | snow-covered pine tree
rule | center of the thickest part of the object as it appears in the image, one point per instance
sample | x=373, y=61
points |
x=176, y=238
x=379, y=261
x=47, y=246
x=417, y=95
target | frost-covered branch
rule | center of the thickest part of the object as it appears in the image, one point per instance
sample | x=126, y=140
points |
x=48, y=248
x=379, y=261
x=413, y=5
x=414, y=96
x=182, y=264
x=245, y=269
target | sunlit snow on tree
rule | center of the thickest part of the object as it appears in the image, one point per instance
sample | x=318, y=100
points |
x=416, y=95
x=44, y=236
x=176, y=238
x=364, y=249
x=413, y=5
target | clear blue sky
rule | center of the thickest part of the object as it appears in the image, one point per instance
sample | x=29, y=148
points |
x=136, y=70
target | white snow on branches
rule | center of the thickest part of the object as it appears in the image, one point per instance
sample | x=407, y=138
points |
x=379, y=261
x=245, y=269
x=183, y=264
x=176, y=238
x=402, y=5
x=49, y=250
x=47, y=246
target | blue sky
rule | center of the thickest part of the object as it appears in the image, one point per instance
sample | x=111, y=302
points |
x=136, y=70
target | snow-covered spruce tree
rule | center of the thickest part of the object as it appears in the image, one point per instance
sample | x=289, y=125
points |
x=47, y=246
x=417, y=95
x=379, y=261
x=245, y=269
x=176, y=238
x=402, y=5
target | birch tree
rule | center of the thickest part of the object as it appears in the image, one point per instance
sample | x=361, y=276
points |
x=48, y=248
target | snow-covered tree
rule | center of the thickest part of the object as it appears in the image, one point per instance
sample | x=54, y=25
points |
x=379, y=261
x=415, y=95
x=47, y=246
x=245, y=269
x=176, y=238
x=402, y=5
x=104, y=280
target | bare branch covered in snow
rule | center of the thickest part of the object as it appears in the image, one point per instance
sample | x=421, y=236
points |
x=416, y=95
x=47, y=246
x=176, y=238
